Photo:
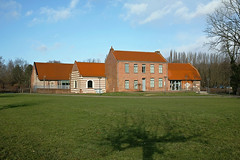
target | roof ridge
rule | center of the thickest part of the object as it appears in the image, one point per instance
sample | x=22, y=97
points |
x=134, y=51
x=52, y=63
x=90, y=62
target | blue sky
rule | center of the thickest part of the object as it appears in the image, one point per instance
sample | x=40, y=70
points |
x=69, y=30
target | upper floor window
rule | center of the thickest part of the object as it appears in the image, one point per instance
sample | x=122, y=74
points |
x=90, y=84
x=135, y=68
x=126, y=68
x=152, y=82
x=151, y=68
x=160, y=68
x=143, y=68
x=126, y=84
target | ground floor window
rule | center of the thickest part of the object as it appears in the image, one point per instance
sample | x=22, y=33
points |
x=135, y=84
x=90, y=84
x=160, y=82
x=75, y=84
x=175, y=85
x=64, y=84
x=126, y=84
x=152, y=82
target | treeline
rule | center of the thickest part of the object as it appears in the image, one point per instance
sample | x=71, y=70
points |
x=214, y=68
x=14, y=75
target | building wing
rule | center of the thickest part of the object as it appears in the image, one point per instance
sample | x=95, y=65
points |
x=53, y=71
x=182, y=71
x=91, y=69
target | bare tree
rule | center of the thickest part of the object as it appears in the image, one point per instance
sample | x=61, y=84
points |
x=223, y=27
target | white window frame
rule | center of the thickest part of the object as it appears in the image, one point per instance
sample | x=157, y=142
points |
x=126, y=67
x=75, y=84
x=160, y=82
x=92, y=84
x=160, y=68
x=135, y=66
x=144, y=66
x=151, y=68
x=135, y=84
x=152, y=82
x=126, y=84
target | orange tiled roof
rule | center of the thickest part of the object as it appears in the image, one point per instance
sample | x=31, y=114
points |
x=138, y=56
x=182, y=71
x=91, y=69
x=53, y=71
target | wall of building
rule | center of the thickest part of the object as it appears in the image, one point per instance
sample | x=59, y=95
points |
x=82, y=84
x=131, y=76
x=111, y=73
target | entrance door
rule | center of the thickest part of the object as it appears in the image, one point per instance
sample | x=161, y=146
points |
x=143, y=84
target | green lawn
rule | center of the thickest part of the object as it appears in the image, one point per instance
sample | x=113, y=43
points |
x=36, y=126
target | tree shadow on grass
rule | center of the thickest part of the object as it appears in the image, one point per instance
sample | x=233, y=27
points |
x=16, y=105
x=126, y=136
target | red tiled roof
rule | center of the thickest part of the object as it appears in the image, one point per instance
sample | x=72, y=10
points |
x=138, y=56
x=53, y=71
x=182, y=71
x=91, y=69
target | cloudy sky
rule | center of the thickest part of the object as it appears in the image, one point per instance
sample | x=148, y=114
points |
x=69, y=30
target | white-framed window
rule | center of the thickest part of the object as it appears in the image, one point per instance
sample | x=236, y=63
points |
x=75, y=84
x=126, y=84
x=160, y=68
x=151, y=68
x=143, y=68
x=126, y=68
x=135, y=68
x=160, y=84
x=135, y=84
x=152, y=82
x=89, y=84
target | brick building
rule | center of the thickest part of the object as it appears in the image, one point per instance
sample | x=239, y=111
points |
x=135, y=71
x=123, y=71
x=148, y=71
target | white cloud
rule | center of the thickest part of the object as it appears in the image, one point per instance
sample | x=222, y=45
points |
x=29, y=13
x=200, y=10
x=42, y=48
x=136, y=8
x=73, y=4
x=146, y=11
x=199, y=45
x=55, y=15
x=10, y=9
x=158, y=14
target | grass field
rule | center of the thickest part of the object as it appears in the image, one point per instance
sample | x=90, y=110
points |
x=36, y=126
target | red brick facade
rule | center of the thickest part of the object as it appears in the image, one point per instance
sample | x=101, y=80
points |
x=117, y=77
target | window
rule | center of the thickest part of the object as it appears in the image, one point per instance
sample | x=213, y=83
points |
x=152, y=82
x=90, y=84
x=160, y=82
x=126, y=68
x=160, y=68
x=143, y=68
x=135, y=68
x=151, y=68
x=75, y=84
x=135, y=84
x=175, y=85
x=126, y=84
